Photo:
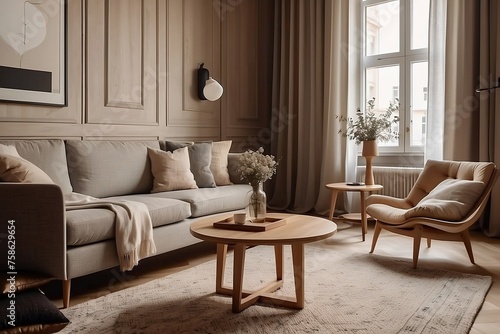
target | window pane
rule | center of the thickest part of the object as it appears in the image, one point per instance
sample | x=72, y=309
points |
x=382, y=28
x=419, y=23
x=418, y=103
x=382, y=83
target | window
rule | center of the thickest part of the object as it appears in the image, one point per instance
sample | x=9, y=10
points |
x=394, y=66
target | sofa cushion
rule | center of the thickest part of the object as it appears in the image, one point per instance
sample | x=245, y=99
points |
x=8, y=149
x=171, y=170
x=163, y=211
x=110, y=168
x=87, y=226
x=25, y=280
x=205, y=201
x=33, y=313
x=200, y=158
x=49, y=156
x=218, y=165
x=17, y=169
x=232, y=167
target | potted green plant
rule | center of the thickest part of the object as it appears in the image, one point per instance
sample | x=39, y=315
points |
x=369, y=127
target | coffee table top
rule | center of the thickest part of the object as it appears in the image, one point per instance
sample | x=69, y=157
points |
x=298, y=229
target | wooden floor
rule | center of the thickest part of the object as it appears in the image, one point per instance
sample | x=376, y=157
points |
x=444, y=255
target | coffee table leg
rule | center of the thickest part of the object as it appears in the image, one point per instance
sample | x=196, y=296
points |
x=298, y=273
x=221, y=268
x=239, y=265
x=278, y=255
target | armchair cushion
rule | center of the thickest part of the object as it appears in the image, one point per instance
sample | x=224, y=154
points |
x=450, y=200
x=387, y=213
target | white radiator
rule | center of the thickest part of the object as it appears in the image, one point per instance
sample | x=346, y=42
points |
x=397, y=181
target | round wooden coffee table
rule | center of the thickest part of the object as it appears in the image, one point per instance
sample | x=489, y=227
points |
x=297, y=230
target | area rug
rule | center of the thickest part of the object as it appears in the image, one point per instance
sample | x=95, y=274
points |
x=345, y=293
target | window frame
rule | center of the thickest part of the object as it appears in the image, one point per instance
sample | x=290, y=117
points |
x=404, y=59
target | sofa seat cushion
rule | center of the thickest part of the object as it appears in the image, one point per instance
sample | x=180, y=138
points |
x=206, y=201
x=163, y=211
x=86, y=226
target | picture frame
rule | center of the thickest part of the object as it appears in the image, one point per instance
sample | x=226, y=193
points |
x=33, y=58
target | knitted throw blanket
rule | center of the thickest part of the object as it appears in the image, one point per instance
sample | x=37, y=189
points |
x=133, y=227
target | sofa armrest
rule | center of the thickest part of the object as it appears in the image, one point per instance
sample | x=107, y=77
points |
x=37, y=214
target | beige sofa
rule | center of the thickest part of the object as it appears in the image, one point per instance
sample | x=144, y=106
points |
x=69, y=244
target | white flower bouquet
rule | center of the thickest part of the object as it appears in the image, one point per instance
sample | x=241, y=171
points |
x=255, y=167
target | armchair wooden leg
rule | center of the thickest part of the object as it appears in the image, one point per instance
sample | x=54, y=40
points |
x=429, y=242
x=466, y=239
x=66, y=284
x=376, y=233
x=416, y=244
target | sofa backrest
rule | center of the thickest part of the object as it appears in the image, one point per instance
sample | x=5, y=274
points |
x=48, y=155
x=110, y=168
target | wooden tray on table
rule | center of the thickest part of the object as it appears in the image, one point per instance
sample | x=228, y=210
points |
x=268, y=224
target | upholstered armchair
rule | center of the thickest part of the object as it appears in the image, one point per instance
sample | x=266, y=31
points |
x=447, y=198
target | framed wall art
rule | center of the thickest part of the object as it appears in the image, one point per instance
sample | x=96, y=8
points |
x=33, y=51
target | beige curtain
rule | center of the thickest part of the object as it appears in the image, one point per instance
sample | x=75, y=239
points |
x=463, y=54
x=310, y=86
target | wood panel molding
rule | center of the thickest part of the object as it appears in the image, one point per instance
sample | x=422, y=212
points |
x=247, y=45
x=121, y=68
x=197, y=41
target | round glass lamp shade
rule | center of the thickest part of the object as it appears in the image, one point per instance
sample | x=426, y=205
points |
x=212, y=90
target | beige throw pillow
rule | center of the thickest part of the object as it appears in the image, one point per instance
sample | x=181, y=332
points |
x=171, y=170
x=17, y=169
x=450, y=200
x=218, y=165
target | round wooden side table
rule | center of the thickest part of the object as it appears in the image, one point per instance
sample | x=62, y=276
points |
x=336, y=188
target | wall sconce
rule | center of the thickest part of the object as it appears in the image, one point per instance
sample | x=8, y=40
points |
x=208, y=88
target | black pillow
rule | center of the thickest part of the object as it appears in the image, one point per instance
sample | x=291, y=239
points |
x=30, y=311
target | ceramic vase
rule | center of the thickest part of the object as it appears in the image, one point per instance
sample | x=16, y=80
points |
x=370, y=150
x=257, y=202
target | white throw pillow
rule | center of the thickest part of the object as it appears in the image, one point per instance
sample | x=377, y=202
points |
x=8, y=150
x=450, y=200
x=17, y=169
x=171, y=170
x=218, y=165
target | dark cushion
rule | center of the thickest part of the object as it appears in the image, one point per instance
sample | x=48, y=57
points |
x=30, y=312
x=23, y=281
